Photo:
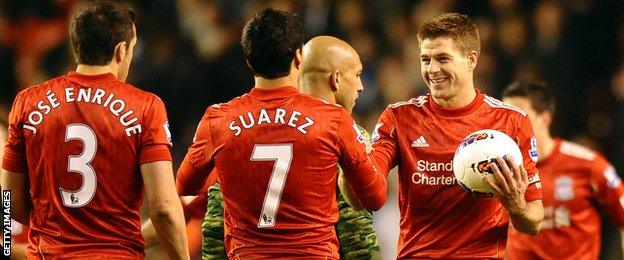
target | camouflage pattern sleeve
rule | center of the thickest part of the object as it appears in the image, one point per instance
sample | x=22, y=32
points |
x=356, y=233
x=212, y=229
x=355, y=229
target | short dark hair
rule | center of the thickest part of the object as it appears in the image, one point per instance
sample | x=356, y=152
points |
x=97, y=28
x=456, y=26
x=541, y=96
x=270, y=41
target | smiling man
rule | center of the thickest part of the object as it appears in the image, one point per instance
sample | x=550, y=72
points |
x=440, y=219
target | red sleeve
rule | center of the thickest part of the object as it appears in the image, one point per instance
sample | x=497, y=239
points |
x=367, y=183
x=384, y=142
x=198, y=162
x=608, y=190
x=14, y=158
x=155, y=137
x=528, y=147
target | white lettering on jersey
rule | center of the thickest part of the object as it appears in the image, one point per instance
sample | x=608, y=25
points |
x=424, y=179
x=85, y=95
x=423, y=167
x=263, y=117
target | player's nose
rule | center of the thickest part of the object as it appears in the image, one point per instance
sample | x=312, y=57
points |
x=433, y=67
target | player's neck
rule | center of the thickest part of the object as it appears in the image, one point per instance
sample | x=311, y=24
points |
x=313, y=87
x=274, y=83
x=94, y=70
x=462, y=99
x=546, y=146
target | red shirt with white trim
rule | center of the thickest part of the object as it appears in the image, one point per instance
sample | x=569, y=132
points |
x=81, y=140
x=276, y=154
x=577, y=185
x=439, y=219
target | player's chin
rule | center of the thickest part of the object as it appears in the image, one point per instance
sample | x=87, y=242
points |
x=438, y=92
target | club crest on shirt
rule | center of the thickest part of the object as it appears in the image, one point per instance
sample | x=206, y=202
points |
x=375, y=135
x=168, y=133
x=533, y=149
x=360, y=137
x=564, y=188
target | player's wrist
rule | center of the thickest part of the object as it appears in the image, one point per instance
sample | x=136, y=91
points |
x=517, y=210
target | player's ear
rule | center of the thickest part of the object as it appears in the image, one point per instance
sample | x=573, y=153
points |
x=472, y=60
x=298, y=59
x=120, y=51
x=334, y=80
x=547, y=117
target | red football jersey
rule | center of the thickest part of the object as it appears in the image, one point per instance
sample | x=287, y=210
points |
x=276, y=152
x=577, y=183
x=81, y=140
x=439, y=219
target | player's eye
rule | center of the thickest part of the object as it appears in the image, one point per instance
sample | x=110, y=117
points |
x=425, y=60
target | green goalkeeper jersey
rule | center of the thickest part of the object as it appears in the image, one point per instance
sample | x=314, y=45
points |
x=355, y=228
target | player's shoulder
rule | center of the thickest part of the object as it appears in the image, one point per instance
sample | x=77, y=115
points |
x=315, y=105
x=224, y=107
x=500, y=106
x=41, y=87
x=578, y=151
x=137, y=92
x=412, y=103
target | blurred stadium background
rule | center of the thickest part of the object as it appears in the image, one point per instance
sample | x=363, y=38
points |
x=189, y=54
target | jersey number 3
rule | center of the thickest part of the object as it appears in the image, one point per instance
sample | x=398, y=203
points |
x=281, y=154
x=80, y=164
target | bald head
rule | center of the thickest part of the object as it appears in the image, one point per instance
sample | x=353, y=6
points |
x=325, y=54
x=331, y=70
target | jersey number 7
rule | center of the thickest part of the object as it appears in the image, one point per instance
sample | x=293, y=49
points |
x=281, y=154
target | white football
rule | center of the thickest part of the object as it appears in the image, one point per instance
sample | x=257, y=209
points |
x=474, y=154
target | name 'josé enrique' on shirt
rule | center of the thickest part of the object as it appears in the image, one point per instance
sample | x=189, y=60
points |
x=116, y=106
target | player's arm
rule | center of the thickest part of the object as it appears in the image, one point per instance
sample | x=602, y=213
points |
x=384, y=142
x=345, y=189
x=16, y=184
x=608, y=192
x=510, y=183
x=165, y=209
x=367, y=183
x=347, y=192
x=149, y=234
x=196, y=170
x=14, y=178
x=517, y=184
